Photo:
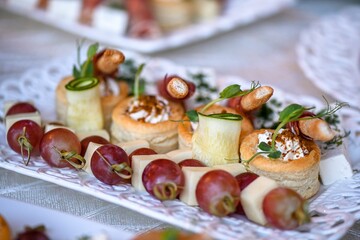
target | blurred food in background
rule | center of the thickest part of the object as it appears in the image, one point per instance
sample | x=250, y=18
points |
x=146, y=19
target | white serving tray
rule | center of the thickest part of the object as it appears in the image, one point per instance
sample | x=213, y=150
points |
x=237, y=13
x=335, y=209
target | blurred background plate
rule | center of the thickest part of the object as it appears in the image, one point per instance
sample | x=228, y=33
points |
x=235, y=14
x=58, y=225
x=329, y=55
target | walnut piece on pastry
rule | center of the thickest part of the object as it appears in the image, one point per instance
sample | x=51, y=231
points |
x=134, y=119
x=299, y=174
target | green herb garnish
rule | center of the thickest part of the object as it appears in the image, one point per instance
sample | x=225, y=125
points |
x=85, y=69
x=230, y=92
x=291, y=113
x=127, y=74
x=136, y=81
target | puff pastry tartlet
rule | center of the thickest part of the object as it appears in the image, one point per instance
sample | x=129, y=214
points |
x=185, y=129
x=148, y=118
x=108, y=99
x=300, y=173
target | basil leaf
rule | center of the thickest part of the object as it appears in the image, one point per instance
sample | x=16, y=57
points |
x=289, y=111
x=230, y=91
x=193, y=115
x=88, y=69
x=274, y=155
x=76, y=73
x=92, y=50
x=264, y=147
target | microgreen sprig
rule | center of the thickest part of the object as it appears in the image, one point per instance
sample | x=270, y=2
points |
x=85, y=69
x=137, y=81
x=229, y=92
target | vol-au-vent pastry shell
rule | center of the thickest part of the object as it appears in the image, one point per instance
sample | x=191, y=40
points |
x=300, y=174
x=108, y=102
x=186, y=132
x=162, y=136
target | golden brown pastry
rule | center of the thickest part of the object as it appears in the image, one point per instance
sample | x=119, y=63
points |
x=148, y=118
x=299, y=174
x=185, y=130
x=108, y=101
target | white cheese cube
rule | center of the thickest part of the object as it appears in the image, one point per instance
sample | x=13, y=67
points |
x=67, y=11
x=88, y=155
x=138, y=164
x=110, y=20
x=102, y=133
x=131, y=146
x=192, y=176
x=180, y=154
x=334, y=165
x=232, y=168
x=10, y=120
x=49, y=127
x=252, y=198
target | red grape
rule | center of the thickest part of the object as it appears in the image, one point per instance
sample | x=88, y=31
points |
x=191, y=163
x=110, y=164
x=244, y=179
x=95, y=139
x=163, y=179
x=141, y=151
x=285, y=209
x=24, y=137
x=60, y=148
x=21, y=107
x=218, y=193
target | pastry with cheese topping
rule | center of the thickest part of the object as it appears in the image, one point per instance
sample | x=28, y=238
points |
x=297, y=167
x=151, y=118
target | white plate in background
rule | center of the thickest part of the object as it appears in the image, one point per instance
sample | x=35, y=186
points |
x=59, y=225
x=237, y=13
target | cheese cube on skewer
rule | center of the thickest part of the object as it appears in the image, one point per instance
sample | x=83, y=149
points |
x=192, y=176
x=102, y=133
x=131, y=146
x=10, y=120
x=179, y=155
x=88, y=155
x=139, y=162
x=252, y=198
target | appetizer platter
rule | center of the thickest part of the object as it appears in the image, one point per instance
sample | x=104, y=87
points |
x=333, y=205
x=64, y=15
